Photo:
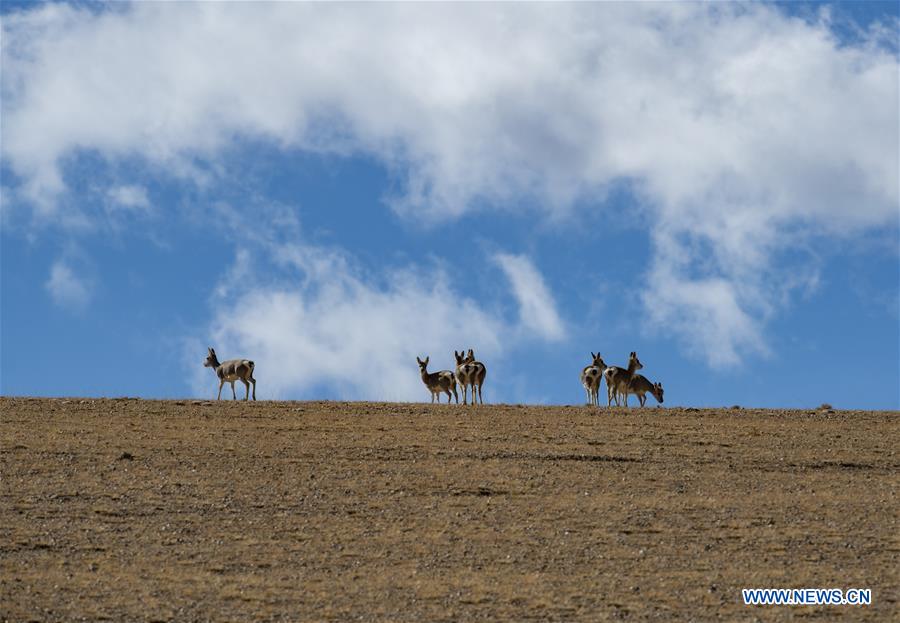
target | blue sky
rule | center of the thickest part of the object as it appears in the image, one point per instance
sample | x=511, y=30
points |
x=335, y=190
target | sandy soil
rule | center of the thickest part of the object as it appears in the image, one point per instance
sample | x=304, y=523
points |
x=137, y=510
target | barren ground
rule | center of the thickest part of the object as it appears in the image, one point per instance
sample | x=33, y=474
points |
x=139, y=510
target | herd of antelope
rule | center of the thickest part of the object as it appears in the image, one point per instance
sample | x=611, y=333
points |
x=619, y=381
x=469, y=372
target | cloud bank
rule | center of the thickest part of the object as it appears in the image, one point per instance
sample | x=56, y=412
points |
x=743, y=132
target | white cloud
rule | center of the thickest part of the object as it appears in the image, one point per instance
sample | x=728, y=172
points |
x=709, y=313
x=129, y=197
x=469, y=101
x=67, y=289
x=537, y=308
x=324, y=323
x=238, y=275
x=732, y=122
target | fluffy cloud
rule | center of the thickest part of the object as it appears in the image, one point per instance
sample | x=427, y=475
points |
x=129, y=197
x=732, y=123
x=67, y=289
x=471, y=101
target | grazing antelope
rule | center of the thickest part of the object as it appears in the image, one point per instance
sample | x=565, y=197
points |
x=469, y=372
x=591, y=376
x=639, y=386
x=617, y=379
x=231, y=371
x=438, y=382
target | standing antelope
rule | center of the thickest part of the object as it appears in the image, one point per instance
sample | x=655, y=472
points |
x=591, y=376
x=469, y=372
x=639, y=386
x=480, y=374
x=438, y=382
x=617, y=379
x=231, y=371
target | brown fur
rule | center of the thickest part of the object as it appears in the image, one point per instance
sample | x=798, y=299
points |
x=590, y=378
x=639, y=386
x=438, y=382
x=231, y=371
x=470, y=372
x=617, y=379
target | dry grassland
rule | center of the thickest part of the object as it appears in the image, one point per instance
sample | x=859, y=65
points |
x=140, y=510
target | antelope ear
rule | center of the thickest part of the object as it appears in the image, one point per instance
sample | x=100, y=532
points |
x=418, y=360
x=211, y=351
x=426, y=361
x=593, y=356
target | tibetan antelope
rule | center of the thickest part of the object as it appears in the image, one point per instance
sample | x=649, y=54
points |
x=231, y=371
x=438, y=382
x=470, y=372
x=480, y=373
x=617, y=379
x=590, y=378
x=639, y=386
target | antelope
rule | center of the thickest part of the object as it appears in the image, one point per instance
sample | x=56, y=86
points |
x=480, y=373
x=590, y=378
x=231, y=371
x=470, y=372
x=438, y=382
x=639, y=386
x=617, y=379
